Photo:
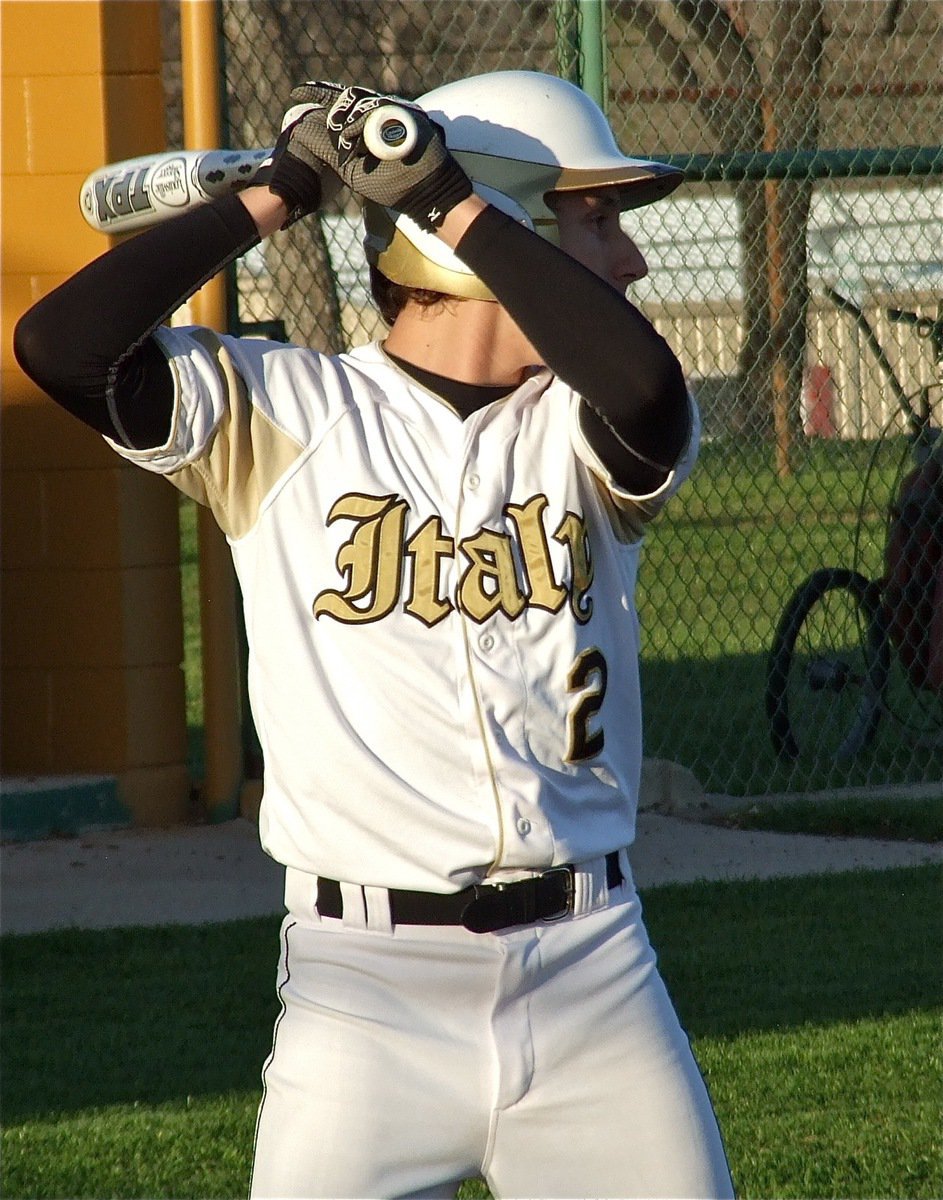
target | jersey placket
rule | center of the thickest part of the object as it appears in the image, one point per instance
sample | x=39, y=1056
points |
x=495, y=670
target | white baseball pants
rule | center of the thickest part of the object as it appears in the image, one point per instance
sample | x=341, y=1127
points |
x=546, y=1058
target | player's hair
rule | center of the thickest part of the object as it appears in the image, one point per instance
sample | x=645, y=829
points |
x=391, y=298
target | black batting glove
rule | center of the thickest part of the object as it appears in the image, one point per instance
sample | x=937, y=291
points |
x=426, y=184
x=291, y=172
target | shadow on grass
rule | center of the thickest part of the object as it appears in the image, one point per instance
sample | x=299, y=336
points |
x=93, y=1018
x=97, y=1017
x=727, y=743
x=808, y=950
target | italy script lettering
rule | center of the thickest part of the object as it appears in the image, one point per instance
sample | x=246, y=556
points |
x=382, y=564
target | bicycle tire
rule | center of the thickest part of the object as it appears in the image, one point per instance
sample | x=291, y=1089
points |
x=828, y=667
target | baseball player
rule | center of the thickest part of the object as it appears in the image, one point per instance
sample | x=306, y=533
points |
x=437, y=538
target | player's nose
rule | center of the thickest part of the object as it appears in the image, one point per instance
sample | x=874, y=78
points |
x=630, y=263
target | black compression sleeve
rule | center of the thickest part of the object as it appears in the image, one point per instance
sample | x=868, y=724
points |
x=595, y=340
x=87, y=344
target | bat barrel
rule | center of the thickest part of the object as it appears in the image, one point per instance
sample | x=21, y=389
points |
x=139, y=192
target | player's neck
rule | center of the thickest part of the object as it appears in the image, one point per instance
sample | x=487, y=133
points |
x=473, y=341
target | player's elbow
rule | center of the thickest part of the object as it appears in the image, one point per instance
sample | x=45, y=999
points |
x=29, y=348
x=58, y=365
x=37, y=348
x=664, y=412
x=49, y=353
x=678, y=405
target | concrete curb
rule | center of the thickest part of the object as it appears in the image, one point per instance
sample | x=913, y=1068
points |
x=673, y=790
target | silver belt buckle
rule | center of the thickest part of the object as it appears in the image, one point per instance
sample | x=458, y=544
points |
x=569, y=892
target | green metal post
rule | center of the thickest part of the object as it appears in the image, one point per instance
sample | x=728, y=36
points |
x=581, y=46
x=592, y=51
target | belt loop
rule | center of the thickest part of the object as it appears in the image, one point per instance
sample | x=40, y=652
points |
x=625, y=865
x=590, y=890
x=377, y=905
x=355, y=908
x=301, y=894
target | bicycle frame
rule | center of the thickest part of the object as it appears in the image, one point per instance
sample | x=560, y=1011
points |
x=841, y=632
x=912, y=588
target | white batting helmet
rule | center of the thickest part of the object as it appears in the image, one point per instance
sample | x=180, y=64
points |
x=519, y=135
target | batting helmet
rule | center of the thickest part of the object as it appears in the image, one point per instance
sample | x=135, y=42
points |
x=519, y=135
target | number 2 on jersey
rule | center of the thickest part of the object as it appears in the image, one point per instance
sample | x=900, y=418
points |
x=587, y=680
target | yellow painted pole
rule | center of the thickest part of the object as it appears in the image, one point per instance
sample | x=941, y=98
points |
x=222, y=706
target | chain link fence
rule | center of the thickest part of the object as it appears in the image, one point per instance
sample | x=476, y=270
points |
x=792, y=598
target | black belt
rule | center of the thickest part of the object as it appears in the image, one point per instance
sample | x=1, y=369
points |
x=482, y=908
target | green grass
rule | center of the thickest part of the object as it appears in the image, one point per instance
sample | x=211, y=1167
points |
x=131, y=1059
x=854, y=1109
x=718, y=568
x=910, y=820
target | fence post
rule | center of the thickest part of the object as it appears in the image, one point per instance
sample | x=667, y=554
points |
x=592, y=57
x=581, y=46
x=222, y=717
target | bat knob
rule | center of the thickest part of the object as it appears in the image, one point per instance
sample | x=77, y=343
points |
x=390, y=132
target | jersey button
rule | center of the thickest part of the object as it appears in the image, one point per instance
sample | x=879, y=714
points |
x=523, y=826
x=473, y=481
x=486, y=642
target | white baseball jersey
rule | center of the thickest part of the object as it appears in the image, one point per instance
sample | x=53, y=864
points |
x=443, y=642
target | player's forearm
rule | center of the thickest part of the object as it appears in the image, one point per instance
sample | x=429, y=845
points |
x=589, y=335
x=460, y=219
x=267, y=210
x=87, y=344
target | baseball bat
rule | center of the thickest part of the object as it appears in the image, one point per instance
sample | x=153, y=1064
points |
x=137, y=192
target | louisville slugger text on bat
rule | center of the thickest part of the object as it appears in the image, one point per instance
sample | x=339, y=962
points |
x=137, y=192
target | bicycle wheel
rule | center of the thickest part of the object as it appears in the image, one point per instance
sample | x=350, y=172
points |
x=828, y=667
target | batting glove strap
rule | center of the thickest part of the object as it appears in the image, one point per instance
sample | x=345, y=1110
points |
x=298, y=185
x=291, y=178
x=434, y=197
